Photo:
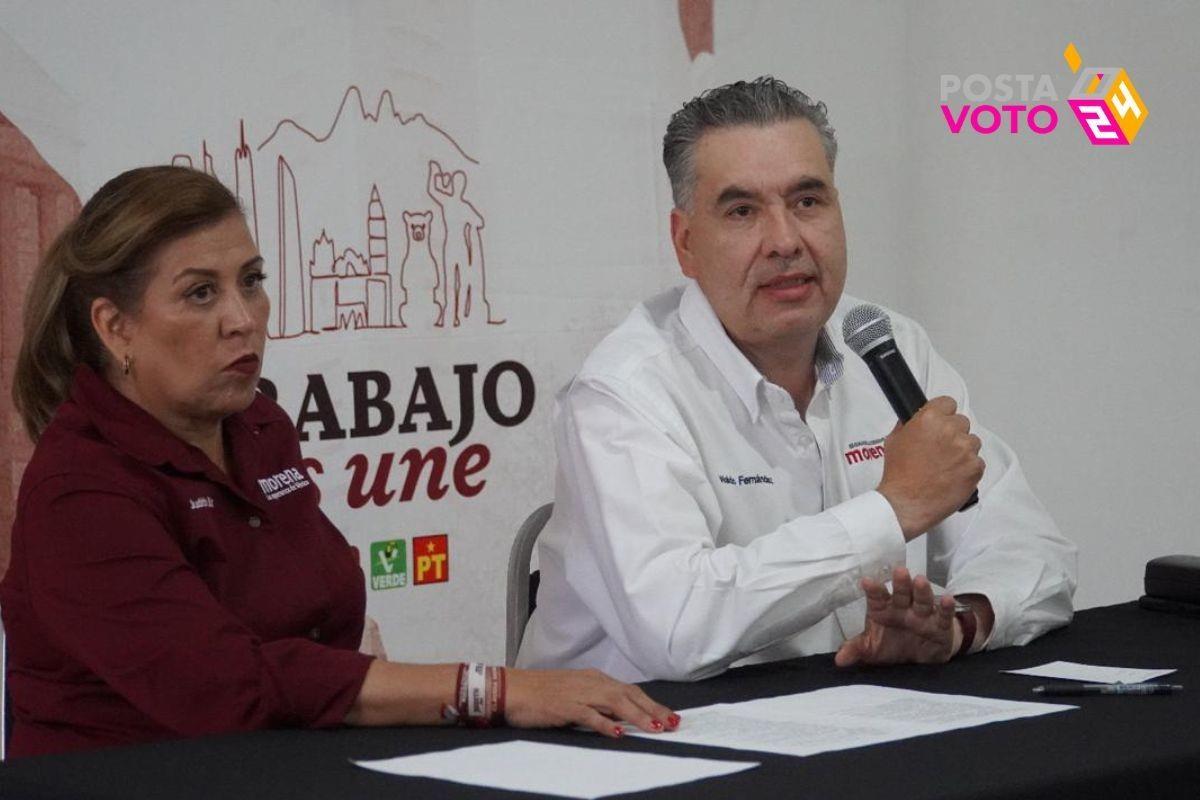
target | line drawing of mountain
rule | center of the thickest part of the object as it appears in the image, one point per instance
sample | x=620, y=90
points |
x=385, y=96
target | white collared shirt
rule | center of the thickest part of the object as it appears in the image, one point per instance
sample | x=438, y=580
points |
x=700, y=521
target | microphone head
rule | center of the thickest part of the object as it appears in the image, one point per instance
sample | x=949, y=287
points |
x=865, y=327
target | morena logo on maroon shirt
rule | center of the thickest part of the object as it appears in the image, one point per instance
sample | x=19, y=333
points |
x=282, y=483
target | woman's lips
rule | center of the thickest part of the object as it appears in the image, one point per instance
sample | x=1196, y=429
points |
x=246, y=365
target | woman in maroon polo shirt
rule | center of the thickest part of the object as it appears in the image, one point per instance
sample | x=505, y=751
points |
x=171, y=573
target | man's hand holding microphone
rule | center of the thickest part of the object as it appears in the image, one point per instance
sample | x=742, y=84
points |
x=931, y=470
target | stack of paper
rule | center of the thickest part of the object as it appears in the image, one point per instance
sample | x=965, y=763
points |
x=841, y=718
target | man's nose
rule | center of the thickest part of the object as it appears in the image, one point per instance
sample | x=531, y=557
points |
x=781, y=238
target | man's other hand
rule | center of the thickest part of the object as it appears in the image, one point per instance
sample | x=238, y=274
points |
x=906, y=626
x=931, y=464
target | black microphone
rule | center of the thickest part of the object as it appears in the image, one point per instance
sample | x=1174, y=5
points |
x=868, y=332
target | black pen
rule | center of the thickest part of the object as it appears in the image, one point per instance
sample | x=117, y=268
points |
x=1087, y=689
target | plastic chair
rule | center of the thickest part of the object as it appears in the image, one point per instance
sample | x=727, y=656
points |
x=522, y=584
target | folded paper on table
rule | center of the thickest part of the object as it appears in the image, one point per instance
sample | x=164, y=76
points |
x=555, y=769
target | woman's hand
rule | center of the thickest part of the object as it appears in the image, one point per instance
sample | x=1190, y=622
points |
x=372, y=640
x=551, y=698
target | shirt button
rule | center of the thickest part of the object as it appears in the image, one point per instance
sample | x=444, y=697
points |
x=315, y=634
x=254, y=522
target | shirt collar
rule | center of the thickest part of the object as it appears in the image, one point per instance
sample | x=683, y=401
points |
x=700, y=320
x=133, y=430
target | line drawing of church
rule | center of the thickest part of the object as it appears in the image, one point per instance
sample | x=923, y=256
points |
x=342, y=266
x=349, y=289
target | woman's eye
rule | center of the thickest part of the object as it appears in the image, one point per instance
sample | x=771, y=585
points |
x=200, y=294
x=254, y=279
x=740, y=211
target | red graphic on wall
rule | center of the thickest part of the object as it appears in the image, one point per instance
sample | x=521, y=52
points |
x=696, y=20
x=35, y=204
x=335, y=263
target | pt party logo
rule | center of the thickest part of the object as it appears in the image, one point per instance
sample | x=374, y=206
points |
x=1104, y=101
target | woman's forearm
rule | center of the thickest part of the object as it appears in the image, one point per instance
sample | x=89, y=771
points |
x=404, y=694
x=416, y=694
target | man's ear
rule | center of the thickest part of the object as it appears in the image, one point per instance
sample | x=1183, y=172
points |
x=680, y=238
x=112, y=327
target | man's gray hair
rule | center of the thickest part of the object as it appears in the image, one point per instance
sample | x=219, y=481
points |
x=762, y=101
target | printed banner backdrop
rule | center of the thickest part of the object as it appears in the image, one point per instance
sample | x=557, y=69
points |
x=456, y=200
x=431, y=278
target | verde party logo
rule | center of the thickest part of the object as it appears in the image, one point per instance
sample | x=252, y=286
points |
x=1104, y=101
x=389, y=564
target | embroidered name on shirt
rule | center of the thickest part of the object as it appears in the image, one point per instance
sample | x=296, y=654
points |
x=282, y=483
x=744, y=480
x=200, y=502
x=864, y=451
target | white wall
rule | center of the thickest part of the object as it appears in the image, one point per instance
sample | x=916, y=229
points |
x=1062, y=279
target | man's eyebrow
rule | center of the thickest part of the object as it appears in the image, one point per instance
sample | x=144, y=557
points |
x=808, y=184
x=200, y=272
x=734, y=193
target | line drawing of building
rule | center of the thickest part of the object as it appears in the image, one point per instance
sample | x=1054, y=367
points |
x=350, y=290
x=291, y=315
x=243, y=180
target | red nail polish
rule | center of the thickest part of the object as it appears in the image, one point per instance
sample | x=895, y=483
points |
x=655, y=725
x=618, y=731
x=673, y=721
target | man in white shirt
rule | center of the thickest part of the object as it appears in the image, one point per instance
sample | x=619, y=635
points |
x=734, y=488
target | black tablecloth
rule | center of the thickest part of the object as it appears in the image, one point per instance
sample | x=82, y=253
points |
x=1119, y=747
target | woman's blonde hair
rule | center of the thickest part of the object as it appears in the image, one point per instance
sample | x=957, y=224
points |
x=105, y=252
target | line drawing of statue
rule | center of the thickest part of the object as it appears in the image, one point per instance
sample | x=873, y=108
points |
x=424, y=304
x=461, y=243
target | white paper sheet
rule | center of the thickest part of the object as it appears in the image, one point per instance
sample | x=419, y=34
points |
x=556, y=769
x=1089, y=673
x=841, y=718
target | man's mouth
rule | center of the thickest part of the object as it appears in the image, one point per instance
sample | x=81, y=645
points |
x=789, y=287
x=788, y=281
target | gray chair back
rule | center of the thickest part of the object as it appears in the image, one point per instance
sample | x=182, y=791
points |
x=518, y=608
